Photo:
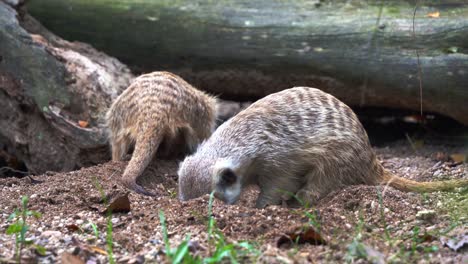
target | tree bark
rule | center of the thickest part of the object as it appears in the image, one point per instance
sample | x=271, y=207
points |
x=364, y=52
x=47, y=86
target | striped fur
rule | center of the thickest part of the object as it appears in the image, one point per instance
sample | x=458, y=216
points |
x=298, y=141
x=161, y=111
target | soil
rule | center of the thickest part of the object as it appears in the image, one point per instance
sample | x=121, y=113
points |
x=355, y=224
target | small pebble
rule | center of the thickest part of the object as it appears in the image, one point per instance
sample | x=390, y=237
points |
x=426, y=215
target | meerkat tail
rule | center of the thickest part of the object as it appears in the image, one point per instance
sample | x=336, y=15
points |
x=145, y=149
x=406, y=185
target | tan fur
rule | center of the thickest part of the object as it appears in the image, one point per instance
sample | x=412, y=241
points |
x=298, y=141
x=406, y=185
x=157, y=109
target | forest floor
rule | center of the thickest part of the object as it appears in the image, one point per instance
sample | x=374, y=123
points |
x=365, y=224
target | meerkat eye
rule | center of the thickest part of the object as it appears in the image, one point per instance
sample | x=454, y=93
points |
x=228, y=177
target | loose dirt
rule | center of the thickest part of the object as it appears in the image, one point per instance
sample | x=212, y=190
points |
x=361, y=223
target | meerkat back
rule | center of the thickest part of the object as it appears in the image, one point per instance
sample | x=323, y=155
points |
x=157, y=109
x=277, y=143
x=298, y=141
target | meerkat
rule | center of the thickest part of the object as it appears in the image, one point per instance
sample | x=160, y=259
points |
x=299, y=141
x=161, y=111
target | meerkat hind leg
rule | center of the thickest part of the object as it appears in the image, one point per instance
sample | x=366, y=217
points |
x=273, y=193
x=314, y=189
x=268, y=197
x=178, y=144
x=120, y=147
x=304, y=198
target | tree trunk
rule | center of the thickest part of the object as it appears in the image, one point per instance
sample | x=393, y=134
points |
x=47, y=86
x=364, y=52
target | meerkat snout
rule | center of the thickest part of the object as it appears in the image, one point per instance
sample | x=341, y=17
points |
x=197, y=178
x=192, y=185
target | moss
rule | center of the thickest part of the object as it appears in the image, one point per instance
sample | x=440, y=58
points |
x=454, y=204
x=393, y=10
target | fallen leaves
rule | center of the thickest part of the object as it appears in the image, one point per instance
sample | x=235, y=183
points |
x=73, y=228
x=98, y=250
x=414, y=119
x=301, y=235
x=458, y=158
x=457, y=243
x=82, y=253
x=83, y=124
x=68, y=258
x=118, y=204
x=434, y=14
x=426, y=238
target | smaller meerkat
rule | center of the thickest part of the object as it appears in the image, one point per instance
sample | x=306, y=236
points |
x=161, y=111
x=301, y=141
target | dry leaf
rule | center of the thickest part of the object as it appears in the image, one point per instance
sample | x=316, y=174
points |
x=119, y=204
x=98, y=250
x=301, y=235
x=427, y=238
x=457, y=243
x=415, y=119
x=73, y=227
x=68, y=258
x=85, y=251
x=82, y=123
x=458, y=158
x=434, y=14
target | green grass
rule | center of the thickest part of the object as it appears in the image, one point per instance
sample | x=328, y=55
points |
x=455, y=205
x=95, y=229
x=356, y=249
x=181, y=254
x=388, y=237
x=19, y=228
x=407, y=248
x=219, y=248
x=109, y=227
x=452, y=204
x=309, y=211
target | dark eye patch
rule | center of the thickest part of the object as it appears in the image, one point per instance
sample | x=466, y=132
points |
x=228, y=177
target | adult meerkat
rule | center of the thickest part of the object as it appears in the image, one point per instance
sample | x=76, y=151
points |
x=158, y=110
x=301, y=141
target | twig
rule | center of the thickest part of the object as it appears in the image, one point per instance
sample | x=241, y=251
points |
x=412, y=144
x=6, y=168
x=34, y=181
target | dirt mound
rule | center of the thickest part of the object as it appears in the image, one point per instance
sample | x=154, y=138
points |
x=369, y=222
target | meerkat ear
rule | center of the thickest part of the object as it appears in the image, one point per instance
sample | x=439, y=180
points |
x=228, y=177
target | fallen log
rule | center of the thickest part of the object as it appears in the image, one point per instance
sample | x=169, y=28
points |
x=53, y=95
x=364, y=52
